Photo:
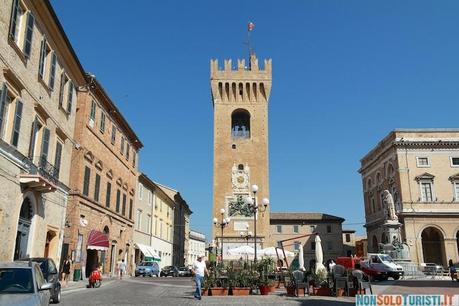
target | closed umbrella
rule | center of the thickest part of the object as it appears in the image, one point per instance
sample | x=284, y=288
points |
x=319, y=255
x=301, y=259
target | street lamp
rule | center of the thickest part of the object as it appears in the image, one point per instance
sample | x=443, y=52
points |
x=246, y=236
x=253, y=206
x=222, y=225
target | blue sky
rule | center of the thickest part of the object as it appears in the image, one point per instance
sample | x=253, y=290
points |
x=345, y=73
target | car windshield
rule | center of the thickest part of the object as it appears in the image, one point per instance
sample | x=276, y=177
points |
x=386, y=258
x=146, y=264
x=16, y=280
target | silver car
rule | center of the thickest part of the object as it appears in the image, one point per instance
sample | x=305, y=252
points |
x=22, y=283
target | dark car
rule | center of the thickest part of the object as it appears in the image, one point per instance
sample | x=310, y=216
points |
x=51, y=274
x=184, y=271
x=169, y=271
x=147, y=268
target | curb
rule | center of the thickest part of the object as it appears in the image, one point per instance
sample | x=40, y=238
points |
x=80, y=288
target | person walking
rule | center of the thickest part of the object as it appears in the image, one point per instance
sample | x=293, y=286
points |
x=199, y=270
x=122, y=268
x=66, y=270
x=452, y=270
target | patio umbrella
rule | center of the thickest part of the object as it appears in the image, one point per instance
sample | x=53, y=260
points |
x=301, y=259
x=242, y=250
x=319, y=255
x=271, y=252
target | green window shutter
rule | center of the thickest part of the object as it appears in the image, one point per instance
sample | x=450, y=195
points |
x=29, y=34
x=123, y=211
x=17, y=123
x=97, y=188
x=108, y=194
x=87, y=177
x=70, y=98
x=33, y=138
x=57, y=158
x=52, y=72
x=14, y=19
x=45, y=145
x=3, y=95
x=118, y=195
x=41, y=63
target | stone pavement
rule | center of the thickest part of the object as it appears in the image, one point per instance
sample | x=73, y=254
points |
x=419, y=286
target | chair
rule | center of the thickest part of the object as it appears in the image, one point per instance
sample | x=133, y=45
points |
x=361, y=283
x=298, y=278
x=340, y=280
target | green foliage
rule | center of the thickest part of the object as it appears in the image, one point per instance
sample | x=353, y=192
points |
x=320, y=278
x=238, y=207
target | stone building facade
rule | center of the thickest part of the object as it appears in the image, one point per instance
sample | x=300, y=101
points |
x=292, y=225
x=240, y=99
x=154, y=223
x=196, y=247
x=39, y=77
x=420, y=168
x=103, y=184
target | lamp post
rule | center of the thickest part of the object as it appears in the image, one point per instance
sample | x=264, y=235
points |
x=222, y=225
x=246, y=236
x=252, y=203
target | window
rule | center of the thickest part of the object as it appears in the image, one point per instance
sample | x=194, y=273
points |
x=329, y=245
x=122, y=145
x=113, y=133
x=70, y=97
x=52, y=71
x=130, y=209
x=348, y=237
x=240, y=124
x=313, y=246
x=161, y=228
x=297, y=246
x=118, y=199
x=422, y=162
x=57, y=158
x=44, y=145
x=133, y=158
x=329, y=228
x=426, y=192
x=21, y=27
x=102, y=121
x=373, y=206
x=156, y=225
x=150, y=197
x=139, y=219
x=454, y=161
x=123, y=210
x=140, y=191
x=279, y=228
x=128, y=149
x=64, y=80
x=17, y=124
x=33, y=138
x=97, y=188
x=92, y=113
x=456, y=190
x=295, y=228
x=148, y=223
x=87, y=175
x=4, y=101
x=44, y=50
x=108, y=194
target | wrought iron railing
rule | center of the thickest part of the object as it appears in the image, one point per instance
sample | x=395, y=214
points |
x=44, y=168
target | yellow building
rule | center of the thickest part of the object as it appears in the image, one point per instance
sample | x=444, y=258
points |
x=420, y=168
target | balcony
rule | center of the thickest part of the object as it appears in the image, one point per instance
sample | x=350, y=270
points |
x=42, y=178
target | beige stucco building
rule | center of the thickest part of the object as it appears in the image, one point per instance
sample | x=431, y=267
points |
x=420, y=167
x=103, y=183
x=240, y=98
x=292, y=225
x=39, y=76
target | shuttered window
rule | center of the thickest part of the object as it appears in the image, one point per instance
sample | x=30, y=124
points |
x=122, y=145
x=118, y=198
x=3, y=104
x=130, y=209
x=57, y=158
x=97, y=188
x=62, y=88
x=128, y=149
x=41, y=63
x=14, y=23
x=52, y=71
x=123, y=211
x=108, y=194
x=44, y=145
x=113, y=134
x=28, y=36
x=33, y=138
x=17, y=124
x=70, y=98
x=86, y=181
x=102, y=121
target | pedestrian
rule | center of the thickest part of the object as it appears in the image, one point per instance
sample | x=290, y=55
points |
x=66, y=270
x=122, y=268
x=199, y=270
x=452, y=270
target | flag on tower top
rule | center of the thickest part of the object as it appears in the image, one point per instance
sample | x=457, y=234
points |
x=251, y=26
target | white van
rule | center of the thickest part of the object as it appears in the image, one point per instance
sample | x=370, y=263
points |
x=384, y=264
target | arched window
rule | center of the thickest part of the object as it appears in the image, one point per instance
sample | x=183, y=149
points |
x=240, y=124
x=369, y=183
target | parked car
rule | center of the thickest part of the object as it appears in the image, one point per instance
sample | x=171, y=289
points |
x=147, y=268
x=23, y=283
x=169, y=271
x=381, y=267
x=432, y=268
x=51, y=274
x=184, y=271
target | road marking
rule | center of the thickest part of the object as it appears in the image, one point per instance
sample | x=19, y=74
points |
x=159, y=284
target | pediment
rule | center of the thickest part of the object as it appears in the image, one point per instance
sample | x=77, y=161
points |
x=119, y=182
x=89, y=156
x=425, y=176
x=454, y=177
x=131, y=192
x=125, y=186
x=110, y=174
x=99, y=165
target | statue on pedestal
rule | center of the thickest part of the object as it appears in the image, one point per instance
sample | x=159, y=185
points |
x=389, y=206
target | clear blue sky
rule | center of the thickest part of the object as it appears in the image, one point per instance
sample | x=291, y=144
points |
x=345, y=73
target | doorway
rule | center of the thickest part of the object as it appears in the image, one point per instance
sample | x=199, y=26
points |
x=23, y=232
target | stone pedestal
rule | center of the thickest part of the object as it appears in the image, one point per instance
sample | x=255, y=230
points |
x=392, y=231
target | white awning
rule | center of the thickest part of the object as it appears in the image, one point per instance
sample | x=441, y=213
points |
x=148, y=251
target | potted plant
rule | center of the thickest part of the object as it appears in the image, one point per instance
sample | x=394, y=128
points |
x=217, y=286
x=290, y=283
x=265, y=268
x=240, y=282
x=321, y=286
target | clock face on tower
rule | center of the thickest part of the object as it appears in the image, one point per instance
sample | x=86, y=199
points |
x=240, y=178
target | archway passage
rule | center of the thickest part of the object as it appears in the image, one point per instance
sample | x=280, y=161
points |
x=433, y=246
x=22, y=235
x=240, y=124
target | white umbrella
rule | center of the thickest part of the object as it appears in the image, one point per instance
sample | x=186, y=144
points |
x=242, y=250
x=301, y=259
x=319, y=255
x=271, y=252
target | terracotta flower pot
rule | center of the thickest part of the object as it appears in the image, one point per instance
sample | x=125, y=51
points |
x=322, y=291
x=272, y=288
x=291, y=291
x=240, y=291
x=217, y=291
x=264, y=289
x=353, y=291
x=204, y=292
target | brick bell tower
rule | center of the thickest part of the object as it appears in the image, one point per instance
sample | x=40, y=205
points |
x=240, y=100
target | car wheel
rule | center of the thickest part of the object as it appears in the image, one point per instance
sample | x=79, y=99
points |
x=57, y=297
x=396, y=277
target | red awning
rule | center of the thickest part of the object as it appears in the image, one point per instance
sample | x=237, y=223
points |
x=98, y=241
